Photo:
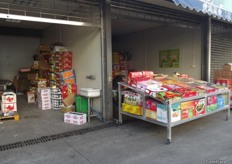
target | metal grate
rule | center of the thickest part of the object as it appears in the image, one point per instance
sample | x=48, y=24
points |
x=45, y=139
x=87, y=11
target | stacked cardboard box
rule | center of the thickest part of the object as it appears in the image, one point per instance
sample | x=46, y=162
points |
x=59, y=62
x=225, y=73
x=9, y=103
x=44, y=98
x=120, y=63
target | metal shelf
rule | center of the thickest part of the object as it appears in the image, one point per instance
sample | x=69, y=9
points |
x=199, y=116
x=170, y=124
x=145, y=119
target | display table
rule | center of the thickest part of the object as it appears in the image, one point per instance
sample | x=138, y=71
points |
x=169, y=123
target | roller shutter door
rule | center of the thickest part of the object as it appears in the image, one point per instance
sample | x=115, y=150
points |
x=221, y=46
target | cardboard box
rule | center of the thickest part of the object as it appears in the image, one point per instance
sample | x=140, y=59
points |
x=188, y=109
x=30, y=97
x=32, y=76
x=200, y=106
x=151, y=114
x=227, y=74
x=65, y=109
x=217, y=73
x=220, y=102
x=9, y=97
x=162, y=113
x=227, y=67
x=69, y=100
x=211, y=103
x=8, y=107
x=75, y=118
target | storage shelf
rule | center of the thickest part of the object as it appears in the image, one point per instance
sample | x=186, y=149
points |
x=145, y=119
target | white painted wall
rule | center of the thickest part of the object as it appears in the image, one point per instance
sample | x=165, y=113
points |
x=85, y=44
x=16, y=52
x=145, y=46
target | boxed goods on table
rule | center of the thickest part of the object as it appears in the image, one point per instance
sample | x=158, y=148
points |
x=132, y=109
x=151, y=109
x=207, y=88
x=187, y=109
x=75, y=118
x=162, y=113
x=220, y=101
x=132, y=98
x=135, y=77
x=200, y=106
x=211, y=103
x=149, y=85
x=169, y=95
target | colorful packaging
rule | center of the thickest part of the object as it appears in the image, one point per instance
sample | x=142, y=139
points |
x=151, y=114
x=220, y=102
x=151, y=104
x=187, y=109
x=132, y=98
x=68, y=89
x=200, y=106
x=211, y=103
x=162, y=114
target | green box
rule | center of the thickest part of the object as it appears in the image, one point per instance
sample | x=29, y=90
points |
x=81, y=104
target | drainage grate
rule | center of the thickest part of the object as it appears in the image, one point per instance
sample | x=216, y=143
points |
x=45, y=139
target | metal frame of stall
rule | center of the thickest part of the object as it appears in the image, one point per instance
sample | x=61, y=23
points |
x=169, y=104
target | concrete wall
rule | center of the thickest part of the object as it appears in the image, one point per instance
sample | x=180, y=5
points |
x=145, y=46
x=16, y=52
x=85, y=44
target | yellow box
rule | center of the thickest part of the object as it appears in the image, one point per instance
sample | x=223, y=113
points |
x=137, y=110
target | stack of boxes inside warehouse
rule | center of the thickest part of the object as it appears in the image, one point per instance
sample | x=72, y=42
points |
x=50, y=83
x=223, y=77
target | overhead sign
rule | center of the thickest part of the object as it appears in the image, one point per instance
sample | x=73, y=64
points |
x=217, y=8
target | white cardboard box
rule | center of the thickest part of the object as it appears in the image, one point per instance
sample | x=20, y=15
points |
x=75, y=118
x=7, y=107
x=90, y=92
x=9, y=97
x=162, y=113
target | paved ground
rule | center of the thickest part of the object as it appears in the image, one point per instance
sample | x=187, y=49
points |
x=207, y=140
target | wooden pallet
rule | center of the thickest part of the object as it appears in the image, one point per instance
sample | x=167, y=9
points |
x=15, y=117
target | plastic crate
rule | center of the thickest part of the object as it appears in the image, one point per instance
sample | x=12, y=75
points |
x=81, y=104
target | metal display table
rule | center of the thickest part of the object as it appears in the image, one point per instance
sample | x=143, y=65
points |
x=169, y=104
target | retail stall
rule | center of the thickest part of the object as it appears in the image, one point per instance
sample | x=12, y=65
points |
x=170, y=100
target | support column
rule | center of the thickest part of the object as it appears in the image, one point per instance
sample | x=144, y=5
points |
x=106, y=42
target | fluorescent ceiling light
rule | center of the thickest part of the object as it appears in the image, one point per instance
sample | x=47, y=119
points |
x=39, y=19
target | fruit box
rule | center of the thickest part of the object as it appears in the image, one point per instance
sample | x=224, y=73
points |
x=8, y=97
x=75, y=118
x=162, y=113
x=200, y=106
x=211, y=103
x=8, y=107
x=187, y=109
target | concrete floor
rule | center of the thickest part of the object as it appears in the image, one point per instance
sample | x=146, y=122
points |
x=206, y=140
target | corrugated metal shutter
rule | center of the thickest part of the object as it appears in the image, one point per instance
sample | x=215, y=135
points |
x=134, y=10
x=221, y=46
